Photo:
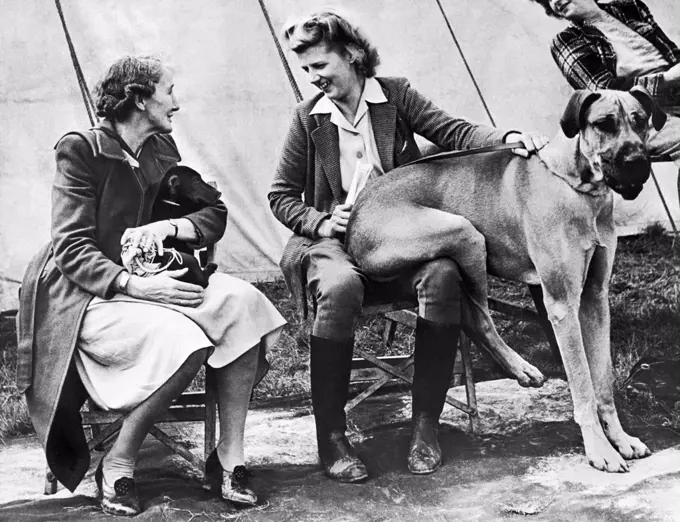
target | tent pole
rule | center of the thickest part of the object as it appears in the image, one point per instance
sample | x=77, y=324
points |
x=465, y=62
x=84, y=91
x=282, y=55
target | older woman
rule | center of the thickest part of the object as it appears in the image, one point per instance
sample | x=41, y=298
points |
x=88, y=327
x=616, y=44
x=361, y=125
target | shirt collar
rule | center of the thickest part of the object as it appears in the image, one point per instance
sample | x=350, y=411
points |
x=372, y=93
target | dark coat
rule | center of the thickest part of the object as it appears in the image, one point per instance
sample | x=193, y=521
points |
x=96, y=196
x=310, y=162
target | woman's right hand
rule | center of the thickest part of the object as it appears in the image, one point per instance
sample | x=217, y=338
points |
x=166, y=288
x=337, y=223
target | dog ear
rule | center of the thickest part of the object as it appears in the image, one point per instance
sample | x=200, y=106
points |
x=649, y=105
x=173, y=186
x=572, y=118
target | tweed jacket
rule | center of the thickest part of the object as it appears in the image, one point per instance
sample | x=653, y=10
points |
x=307, y=185
x=588, y=61
x=96, y=196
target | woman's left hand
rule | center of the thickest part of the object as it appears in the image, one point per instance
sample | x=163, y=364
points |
x=532, y=142
x=145, y=236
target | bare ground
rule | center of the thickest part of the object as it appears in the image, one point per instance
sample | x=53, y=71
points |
x=526, y=460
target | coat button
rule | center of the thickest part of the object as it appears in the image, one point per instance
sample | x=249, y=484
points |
x=360, y=155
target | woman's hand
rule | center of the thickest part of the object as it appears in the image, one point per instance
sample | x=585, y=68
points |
x=672, y=76
x=532, y=142
x=166, y=288
x=337, y=223
x=145, y=236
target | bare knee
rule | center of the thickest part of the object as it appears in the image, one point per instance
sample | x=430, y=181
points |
x=194, y=362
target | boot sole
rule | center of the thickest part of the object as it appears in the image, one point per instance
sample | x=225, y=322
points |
x=348, y=480
x=424, y=472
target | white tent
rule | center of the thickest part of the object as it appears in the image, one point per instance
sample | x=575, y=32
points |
x=236, y=98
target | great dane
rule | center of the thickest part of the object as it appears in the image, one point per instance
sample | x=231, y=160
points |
x=546, y=220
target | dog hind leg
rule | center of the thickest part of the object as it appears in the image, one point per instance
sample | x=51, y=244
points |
x=423, y=234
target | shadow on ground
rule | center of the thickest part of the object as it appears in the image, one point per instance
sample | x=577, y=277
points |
x=526, y=460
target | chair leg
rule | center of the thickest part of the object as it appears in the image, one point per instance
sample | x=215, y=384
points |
x=464, y=350
x=51, y=483
x=388, y=333
x=537, y=295
x=210, y=429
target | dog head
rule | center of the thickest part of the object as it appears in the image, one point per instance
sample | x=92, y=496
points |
x=612, y=128
x=184, y=185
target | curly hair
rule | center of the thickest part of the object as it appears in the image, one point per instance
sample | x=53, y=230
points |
x=126, y=79
x=335, y=31
x=545, y=4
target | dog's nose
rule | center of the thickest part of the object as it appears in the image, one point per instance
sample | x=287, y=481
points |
x=638, y=165
x=633, y=167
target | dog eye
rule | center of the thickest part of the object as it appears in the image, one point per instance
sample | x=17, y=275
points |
x=639, y=122
x=644, y=366
x=607, y=125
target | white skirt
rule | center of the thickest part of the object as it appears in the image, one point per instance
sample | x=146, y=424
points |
x=128, y=348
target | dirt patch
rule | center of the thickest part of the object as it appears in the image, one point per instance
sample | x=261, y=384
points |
x=525, y=461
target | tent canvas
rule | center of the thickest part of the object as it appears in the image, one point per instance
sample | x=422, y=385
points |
x=236, y=99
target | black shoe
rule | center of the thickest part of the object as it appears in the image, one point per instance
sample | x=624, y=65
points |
x=424, y=452
x=124, y=501
x=340, y=460
x=230, y=485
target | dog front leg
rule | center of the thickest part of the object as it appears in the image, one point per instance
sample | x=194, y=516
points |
x=594, y=317
x=563, y=311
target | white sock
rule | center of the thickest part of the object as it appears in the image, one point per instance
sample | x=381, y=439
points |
x=113, y=469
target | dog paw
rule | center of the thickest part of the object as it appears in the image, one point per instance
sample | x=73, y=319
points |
x=632, y=448
x=529, y=376
x=602, y=455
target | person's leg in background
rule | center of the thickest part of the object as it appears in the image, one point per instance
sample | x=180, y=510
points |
x=437, y=285
x=665, y=143
x=337, y=287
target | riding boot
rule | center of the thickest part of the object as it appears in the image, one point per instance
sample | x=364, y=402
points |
x=435, y=354
x=330, y=367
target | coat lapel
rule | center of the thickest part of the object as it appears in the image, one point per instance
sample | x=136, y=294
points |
x=326, y=141
x=384, y=121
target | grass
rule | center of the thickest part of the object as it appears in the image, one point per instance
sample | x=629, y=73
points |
x=645, y=310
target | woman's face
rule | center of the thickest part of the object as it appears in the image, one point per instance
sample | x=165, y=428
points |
x=573, y=10
x=331, y=71
x=162, y=104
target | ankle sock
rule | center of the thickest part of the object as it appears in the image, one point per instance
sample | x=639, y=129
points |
x=113, y=469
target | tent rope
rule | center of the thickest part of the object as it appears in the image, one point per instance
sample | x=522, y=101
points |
x=665, y=205
x=282, y=55
x=465, y=62
x=84, y=91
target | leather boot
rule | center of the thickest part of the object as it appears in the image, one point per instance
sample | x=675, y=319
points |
x=435, y=354
x=330, y=367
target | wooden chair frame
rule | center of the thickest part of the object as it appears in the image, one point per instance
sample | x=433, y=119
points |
x=381, y=370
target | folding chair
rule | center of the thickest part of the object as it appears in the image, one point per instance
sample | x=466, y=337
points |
x=381, y=370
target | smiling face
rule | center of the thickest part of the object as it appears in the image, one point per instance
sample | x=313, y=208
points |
x=162, y=104
x=574, y=10
x=613, y=137
x=330, y=71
